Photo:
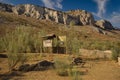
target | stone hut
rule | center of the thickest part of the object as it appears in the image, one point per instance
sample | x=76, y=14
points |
x=54, y=44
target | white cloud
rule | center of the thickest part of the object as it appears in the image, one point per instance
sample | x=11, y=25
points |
x=53, y=3
x=115, y=18
x=101, y=7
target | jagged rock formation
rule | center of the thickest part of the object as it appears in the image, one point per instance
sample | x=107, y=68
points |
x=81, y=18
x=84, y=17
x=5, y=7
x=29, y=11
x=104, y=24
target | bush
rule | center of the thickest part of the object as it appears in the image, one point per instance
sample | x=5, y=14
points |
x=72, y=23
x=72, y=44
x=23, y=39
x=20, y=41
x=61, y=68
x=15, y=59
x=64, y=67
x=115, y=53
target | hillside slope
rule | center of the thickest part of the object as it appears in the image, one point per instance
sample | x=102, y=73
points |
x=10, y=21
x=86, y=36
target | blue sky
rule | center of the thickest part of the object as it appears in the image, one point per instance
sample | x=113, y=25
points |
x=101, y=9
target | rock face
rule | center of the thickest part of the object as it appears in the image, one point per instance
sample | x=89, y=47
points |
x=104, y=24
x=29, y=11
x=84, y=17
x=81, y=18
x=5, y=7
x=78, y=17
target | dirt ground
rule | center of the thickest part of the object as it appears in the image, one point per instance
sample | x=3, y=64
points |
x=92, y=70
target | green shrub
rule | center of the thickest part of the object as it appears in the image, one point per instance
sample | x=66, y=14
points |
x=15, y=59
x=65, y=68
x=72, y=23
x=75, y=75
x=2, y=46
x=61, y=68
x=115, y=53
x=22, y=40
x=72, y=44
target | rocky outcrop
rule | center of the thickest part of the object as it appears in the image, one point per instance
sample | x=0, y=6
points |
x=104, y=24
x=40, y=66
x=5, y=7
x=29, y=11
x=84, y=17
x=78, y=17
x=81, y=18
x=38, y=12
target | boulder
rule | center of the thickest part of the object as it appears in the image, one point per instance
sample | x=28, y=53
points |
x=40, y=66
x=3, y=56
x=78, y=61
x=104, y=24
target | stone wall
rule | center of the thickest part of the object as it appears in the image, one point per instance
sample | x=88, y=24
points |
x=95, y=53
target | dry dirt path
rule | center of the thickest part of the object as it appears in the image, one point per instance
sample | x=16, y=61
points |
x=103, y=70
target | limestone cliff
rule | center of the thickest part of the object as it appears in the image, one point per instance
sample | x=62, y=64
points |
x=84, y=17
x=80, y=17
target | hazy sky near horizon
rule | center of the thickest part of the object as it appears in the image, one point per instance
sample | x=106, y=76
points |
x=101, y=9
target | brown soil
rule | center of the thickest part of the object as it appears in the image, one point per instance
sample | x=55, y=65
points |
x=92, y=70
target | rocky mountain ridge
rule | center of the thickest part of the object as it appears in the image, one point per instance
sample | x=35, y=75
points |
x=29, y=10
x=77, y=17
